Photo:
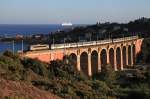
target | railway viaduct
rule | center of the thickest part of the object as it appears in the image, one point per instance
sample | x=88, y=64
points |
x=90, y=57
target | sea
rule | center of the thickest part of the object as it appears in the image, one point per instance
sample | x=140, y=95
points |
x=11, y=30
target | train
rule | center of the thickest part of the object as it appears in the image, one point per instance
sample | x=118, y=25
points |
x=38, y=47
x=91, y=43
x=79, y=44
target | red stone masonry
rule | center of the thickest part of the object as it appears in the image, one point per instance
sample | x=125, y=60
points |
x=45, y=55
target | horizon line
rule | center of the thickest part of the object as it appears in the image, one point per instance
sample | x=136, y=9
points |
x=73, y=23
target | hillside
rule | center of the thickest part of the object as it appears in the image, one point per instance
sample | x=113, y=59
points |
x=22, y=90
x=16, y=80
x=30, y=78
x=105, y=30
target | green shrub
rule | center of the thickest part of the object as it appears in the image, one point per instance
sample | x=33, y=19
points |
x=107, y=74
x=12, y=64
x=11, y=55
x=35, y=65
x=100, y=86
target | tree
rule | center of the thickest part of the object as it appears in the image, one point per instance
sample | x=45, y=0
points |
x=107, y=74
x=36, y=66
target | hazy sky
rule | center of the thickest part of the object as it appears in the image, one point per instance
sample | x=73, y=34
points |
x=75, y=11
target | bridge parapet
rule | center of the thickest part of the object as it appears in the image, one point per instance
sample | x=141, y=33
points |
x=125, y=39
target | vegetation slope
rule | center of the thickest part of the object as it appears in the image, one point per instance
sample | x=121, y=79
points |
x=62, y=79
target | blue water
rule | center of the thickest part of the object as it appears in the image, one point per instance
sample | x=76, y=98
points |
x=13, y=30
x=9, y=46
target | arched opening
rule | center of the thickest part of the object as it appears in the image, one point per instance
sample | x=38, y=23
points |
x=124, y=57
x=103, y=58
x=111, y=57
x=94, y=62
x=84, y=63
x=73, y=60
x=129, y=55
x=118, y=58
x=134, y=55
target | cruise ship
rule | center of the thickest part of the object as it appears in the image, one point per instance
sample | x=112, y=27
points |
x=66, y=24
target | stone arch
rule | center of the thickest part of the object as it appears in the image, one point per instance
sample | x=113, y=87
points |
x=129, y=54
x=73, y=59
x=94, y=62
x=103, y=57
x=124, y=56
x=134, y=54
x=111, y=57
x=118, y=58
x=84, y=62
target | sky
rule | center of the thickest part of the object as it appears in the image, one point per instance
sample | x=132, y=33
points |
x=75, y=11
